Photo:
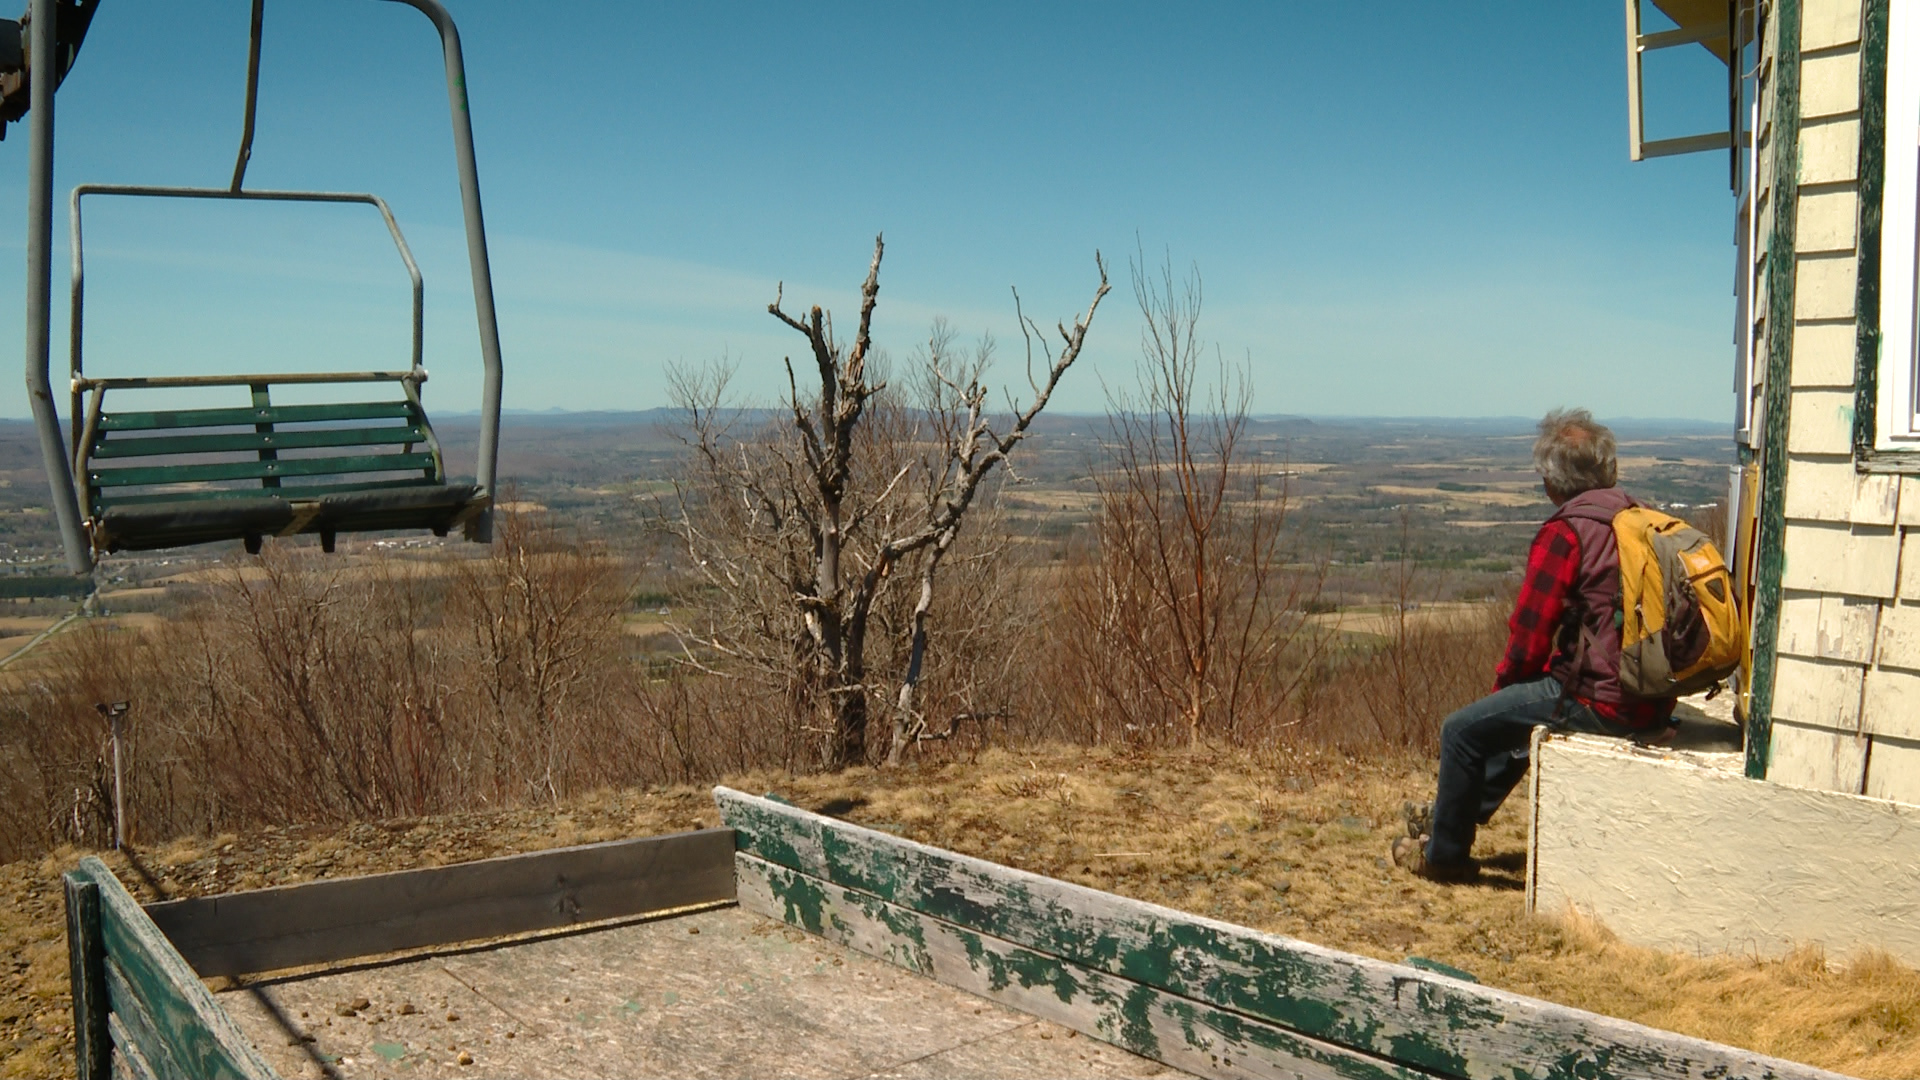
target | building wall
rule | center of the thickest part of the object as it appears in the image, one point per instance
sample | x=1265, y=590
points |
x=1738, y=867
x=1846, y=698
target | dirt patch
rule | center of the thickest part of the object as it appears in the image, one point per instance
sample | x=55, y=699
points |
x=121, y=596
x=1489, y=497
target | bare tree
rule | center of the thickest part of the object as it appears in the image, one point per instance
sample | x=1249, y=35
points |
x=797, y=528
x=1188, y=606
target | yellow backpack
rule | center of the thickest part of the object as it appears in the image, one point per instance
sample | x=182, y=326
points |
x=1680, y=625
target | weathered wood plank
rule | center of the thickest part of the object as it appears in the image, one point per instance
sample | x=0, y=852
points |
x=1820, y=758
x=1830, y=25
x=1861, y=560
x=305, y=439
x=1150, y=1022
x=1830, y=154
x=324, y=921
x=128, y=1061
x=1823, y=355
x=1893, y=770
x=272, y=414
x=1891, y=708
x=147, y=979
x=1425, y=1020
x=254, y=470
x=86, y=972
x=136, y=1033
x=1822, y=423
x=290, y=492
x=1817, y=693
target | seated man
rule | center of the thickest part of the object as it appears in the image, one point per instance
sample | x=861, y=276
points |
x=1563, y=655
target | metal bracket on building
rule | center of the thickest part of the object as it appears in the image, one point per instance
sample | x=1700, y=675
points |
x=1713, y=33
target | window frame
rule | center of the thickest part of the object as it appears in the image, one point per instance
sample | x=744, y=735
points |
x=1896, y=404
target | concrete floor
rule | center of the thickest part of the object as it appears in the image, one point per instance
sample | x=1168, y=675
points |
x=721, y=993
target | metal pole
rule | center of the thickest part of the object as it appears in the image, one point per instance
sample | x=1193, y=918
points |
x=119, y=802
x=253, y=95
x=43, y=56
x=482, y=526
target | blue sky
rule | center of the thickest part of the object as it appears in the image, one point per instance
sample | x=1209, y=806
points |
x=1426, y=210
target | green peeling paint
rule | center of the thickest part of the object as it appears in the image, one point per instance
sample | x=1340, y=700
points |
x=1116, y=961
x=1215, y=964
x=806, y=904
x=1136, y=1029
x=1439, y=968
x=391, y=1051
x=1782, y=260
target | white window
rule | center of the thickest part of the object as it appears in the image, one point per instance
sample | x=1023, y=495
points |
x=1897, y=415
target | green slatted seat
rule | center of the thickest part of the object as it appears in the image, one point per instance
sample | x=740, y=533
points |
x=190, y=476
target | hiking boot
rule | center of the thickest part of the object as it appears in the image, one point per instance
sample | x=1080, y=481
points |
x=1419, y=817
x=1410, y=854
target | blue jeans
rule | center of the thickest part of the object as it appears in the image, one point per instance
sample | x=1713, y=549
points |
x=1483, y=755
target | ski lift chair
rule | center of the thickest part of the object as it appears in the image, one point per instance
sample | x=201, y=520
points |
x=151, y=478
x=135, y=477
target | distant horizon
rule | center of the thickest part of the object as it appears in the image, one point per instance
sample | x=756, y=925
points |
x=1079, y=414
x=1487, y=418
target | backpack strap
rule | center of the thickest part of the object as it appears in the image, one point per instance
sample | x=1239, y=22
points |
x=1575, y=612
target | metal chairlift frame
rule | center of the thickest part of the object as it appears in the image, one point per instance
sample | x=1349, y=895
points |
x=66, y=463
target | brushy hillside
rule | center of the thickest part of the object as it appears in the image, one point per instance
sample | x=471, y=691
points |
x=1292, y=843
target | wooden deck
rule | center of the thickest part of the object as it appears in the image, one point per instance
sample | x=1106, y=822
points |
x=719, y=993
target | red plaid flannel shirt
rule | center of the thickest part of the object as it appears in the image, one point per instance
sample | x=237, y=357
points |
x=1552, y=563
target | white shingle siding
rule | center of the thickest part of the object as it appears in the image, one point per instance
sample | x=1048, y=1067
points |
x=1847, y=678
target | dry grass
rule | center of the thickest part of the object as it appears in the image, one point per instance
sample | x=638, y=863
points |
x=1295, y=843
x=1289, y=843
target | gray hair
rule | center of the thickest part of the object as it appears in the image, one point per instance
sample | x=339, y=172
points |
x=1574, y=453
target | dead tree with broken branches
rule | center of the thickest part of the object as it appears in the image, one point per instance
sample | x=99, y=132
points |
x=797, y=528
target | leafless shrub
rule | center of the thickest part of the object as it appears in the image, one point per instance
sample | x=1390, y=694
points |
x=539, y=620
x=301, y=688
x=1183, y=619
x=797, y=529
x=1372, y=696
